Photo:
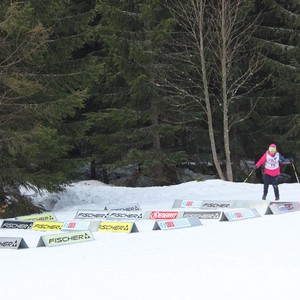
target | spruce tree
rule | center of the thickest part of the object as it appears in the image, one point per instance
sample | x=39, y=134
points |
x=128, y=124
x=43, y=81
x=278, y=113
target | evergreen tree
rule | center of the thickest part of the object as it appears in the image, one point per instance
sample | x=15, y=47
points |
x=128, y=124
x=42, y=83
x=278, y=113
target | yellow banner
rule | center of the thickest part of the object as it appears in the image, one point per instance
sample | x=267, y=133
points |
x=44, y=217
x=115, y=227
x=42, y=225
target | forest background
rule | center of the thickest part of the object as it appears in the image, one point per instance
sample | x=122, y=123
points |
x=154, y=85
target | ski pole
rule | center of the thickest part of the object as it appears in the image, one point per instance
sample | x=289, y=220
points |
x=295, y=172
x=249, y=175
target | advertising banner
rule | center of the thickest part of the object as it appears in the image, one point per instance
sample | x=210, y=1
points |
x=15, y=224
x=239, y=215
x=177, y=224
x=42, y=217
x=163, y=215
x=65, y=238
x=80, y=225
x=91, y=214
x=123, y=227
x=219, y=204
x=125, y=215
x=47, y=226
x=129, y=207
x=207, y=215
x=12, y=243
x=186, y=204
x=282, y=207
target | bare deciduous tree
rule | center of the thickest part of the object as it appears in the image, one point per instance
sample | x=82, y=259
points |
x=218, y=66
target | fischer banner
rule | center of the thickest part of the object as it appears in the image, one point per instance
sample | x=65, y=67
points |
x=45, y=226
x=41, y=217
x=218, y=204
x=12, y=243
x=239, y=215
x=207, y=215
x=65, y=238
x=123, y=227
x=282, y=207
x=177, y=224
x=91, y=214
x=125, y=215
x=15, y=224
x=129, y=207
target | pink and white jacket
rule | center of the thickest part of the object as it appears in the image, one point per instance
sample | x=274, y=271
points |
x=271, y=161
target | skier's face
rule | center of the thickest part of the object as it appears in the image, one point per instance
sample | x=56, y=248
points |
x=272, y=150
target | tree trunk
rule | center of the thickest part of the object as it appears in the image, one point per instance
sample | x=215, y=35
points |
x=158, y=168
x=154, y=104
x=206, y=94
x=224, y=71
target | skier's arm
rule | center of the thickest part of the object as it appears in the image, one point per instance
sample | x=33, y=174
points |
x=284, y=160
x=261, y=161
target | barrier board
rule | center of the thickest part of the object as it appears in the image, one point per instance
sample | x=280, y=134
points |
x=187, y=204
x=239, y=215
x=91, y=214
x=42, y=217
x=123, y=227
x=219, y=204
x=204, y=214
x=282, y=207
x=12, y=243
x=129, y=207
x=80, y=225
x=47, y=226
x=60, y=239
x=177, y=224
x=163, y=215
x=15, y=224
x=125, y=215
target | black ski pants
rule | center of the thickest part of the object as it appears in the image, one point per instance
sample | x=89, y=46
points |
x=271, y=180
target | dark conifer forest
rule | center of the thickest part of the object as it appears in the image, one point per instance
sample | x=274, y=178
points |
x=158, y=85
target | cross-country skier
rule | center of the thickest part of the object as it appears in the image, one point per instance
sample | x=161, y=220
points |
x=271, y=159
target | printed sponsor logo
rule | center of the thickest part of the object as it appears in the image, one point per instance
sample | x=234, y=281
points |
x=125, y=215
x=239, y=215
x=16, y=225
x=9, y=244
x=40, y=225
x=69, y=238
x=203, y=215
x=41, y=217
x=131, y=208
x=285, y=207
x=236, y=215
x=156, y=215
x=216, y=205
x=169, y=224
x=186, y=203
x=76, y=225
x=92, y=215
x=115, y=227
x=180, y=223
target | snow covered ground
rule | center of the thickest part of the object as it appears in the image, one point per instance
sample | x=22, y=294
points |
x=255, y=258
